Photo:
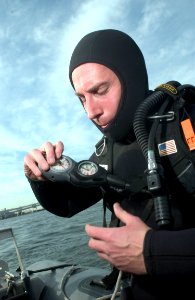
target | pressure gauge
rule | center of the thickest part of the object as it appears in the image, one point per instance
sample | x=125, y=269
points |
x=62, y=165
x=83, y=174
x=87, y=168
x=60, y=170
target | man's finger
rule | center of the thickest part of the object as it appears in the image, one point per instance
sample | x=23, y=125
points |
x=59, y=148
x=99, y=233
x=49, y=151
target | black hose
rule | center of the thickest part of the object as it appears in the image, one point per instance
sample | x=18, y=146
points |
x=146, y=139
x=140, y=119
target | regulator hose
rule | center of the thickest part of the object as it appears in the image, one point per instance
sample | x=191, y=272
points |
x=140, y=123
x=145, y=136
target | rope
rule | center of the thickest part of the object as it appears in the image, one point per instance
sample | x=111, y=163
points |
x=115, y=293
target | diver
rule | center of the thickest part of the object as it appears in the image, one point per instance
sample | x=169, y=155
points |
x=108, y=73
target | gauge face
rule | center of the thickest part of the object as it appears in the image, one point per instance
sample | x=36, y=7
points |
x=87, y=168
x=61, y=165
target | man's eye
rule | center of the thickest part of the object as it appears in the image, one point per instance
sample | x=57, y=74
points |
x=102, y=91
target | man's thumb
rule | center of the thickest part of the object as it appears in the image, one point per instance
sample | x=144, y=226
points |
x=120, y=213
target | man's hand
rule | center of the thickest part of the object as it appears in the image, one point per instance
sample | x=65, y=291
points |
x=121, y=246
x=45, y=156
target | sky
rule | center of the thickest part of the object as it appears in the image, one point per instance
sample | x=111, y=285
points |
x=37, y=102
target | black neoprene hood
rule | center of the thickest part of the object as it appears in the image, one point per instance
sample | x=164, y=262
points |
x=117, y=51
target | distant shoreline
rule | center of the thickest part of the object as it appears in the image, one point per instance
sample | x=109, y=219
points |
x=19, y=211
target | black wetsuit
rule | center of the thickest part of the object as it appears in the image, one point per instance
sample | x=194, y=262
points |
x=169, y=256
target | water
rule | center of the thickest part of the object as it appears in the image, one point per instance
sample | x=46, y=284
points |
x=42, y=235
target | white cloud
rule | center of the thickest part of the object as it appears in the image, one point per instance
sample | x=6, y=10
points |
x=153, y=15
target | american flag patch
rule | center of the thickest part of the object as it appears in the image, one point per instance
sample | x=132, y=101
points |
x=167, y=148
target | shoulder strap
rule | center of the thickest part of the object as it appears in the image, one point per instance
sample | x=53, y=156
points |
x=176, y=139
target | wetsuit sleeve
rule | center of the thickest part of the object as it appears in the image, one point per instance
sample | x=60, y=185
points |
x=64, y=199
x=170, y=252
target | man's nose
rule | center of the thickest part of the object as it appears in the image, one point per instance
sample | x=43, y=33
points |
x=92, y=107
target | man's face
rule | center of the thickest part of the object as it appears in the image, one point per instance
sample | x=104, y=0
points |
x=100, y=90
